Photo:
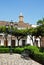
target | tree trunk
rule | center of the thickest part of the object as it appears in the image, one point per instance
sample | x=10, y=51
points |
x=6, y=42
x=18, y=42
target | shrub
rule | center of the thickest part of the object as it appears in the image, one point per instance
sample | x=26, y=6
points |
x=4, y=50
x=2, y=46
x=18, y=50
x=41, y=49
x=35, y=53
x=39, y=57
x=32, y=49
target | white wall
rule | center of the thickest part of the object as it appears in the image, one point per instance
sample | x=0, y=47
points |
x=16, y=42
x=20, y=42
x=9, y=42
x=38, y=41
x=2, y=42
x=29, y=40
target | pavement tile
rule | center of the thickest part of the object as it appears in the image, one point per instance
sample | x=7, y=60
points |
x=15, y=59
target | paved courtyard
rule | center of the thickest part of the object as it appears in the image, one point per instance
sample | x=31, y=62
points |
x=15, y=59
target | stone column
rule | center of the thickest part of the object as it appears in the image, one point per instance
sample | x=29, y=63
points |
x=29, y=40
x=38, y=39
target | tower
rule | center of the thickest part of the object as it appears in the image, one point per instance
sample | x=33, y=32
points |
x=21, y=17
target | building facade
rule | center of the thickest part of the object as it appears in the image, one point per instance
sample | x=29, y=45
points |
x=14, y=42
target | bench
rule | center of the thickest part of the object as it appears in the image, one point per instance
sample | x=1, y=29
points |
x=25, y=53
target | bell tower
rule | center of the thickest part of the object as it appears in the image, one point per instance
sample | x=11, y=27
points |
x=21, y=17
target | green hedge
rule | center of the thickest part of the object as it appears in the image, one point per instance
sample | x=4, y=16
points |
x=39, y=57
x=32, y=49
x=18, y=50
x=41, y=49
x=2, y=46
x=14, y=50
x=35, y=53
x=4, y=50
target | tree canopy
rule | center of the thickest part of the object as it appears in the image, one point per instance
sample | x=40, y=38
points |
x=40, y=22
x=15, y=32
x=40, y=28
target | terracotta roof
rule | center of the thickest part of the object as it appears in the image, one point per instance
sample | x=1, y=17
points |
x=19, y=24
x=3, y=23
x=22, y=24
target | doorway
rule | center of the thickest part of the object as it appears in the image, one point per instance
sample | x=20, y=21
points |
x=13, y=43
x=23, y=42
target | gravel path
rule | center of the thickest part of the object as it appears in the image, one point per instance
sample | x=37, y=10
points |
x=15, y=59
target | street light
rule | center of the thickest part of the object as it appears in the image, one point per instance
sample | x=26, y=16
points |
x=11, y=25
x=6, y=33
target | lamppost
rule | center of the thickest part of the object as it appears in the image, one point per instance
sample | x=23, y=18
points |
x=11, y=25
x=6, y=33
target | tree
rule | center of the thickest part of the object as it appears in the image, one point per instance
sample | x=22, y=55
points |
x=31, y=31
x=14, y=31
x=20, y=34
x=40, y=22
x=40, y=28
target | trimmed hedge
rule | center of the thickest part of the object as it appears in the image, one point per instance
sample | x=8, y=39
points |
x=4, y=50
x=32, y=49
x=18, y=50
x=39, y=57
x=35, y=53
x=2, y=46
x=14, y=50
x=41, y=49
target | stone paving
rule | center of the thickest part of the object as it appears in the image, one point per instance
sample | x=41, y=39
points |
x=16, y=59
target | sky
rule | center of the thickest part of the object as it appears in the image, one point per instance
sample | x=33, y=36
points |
x=32, y=10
